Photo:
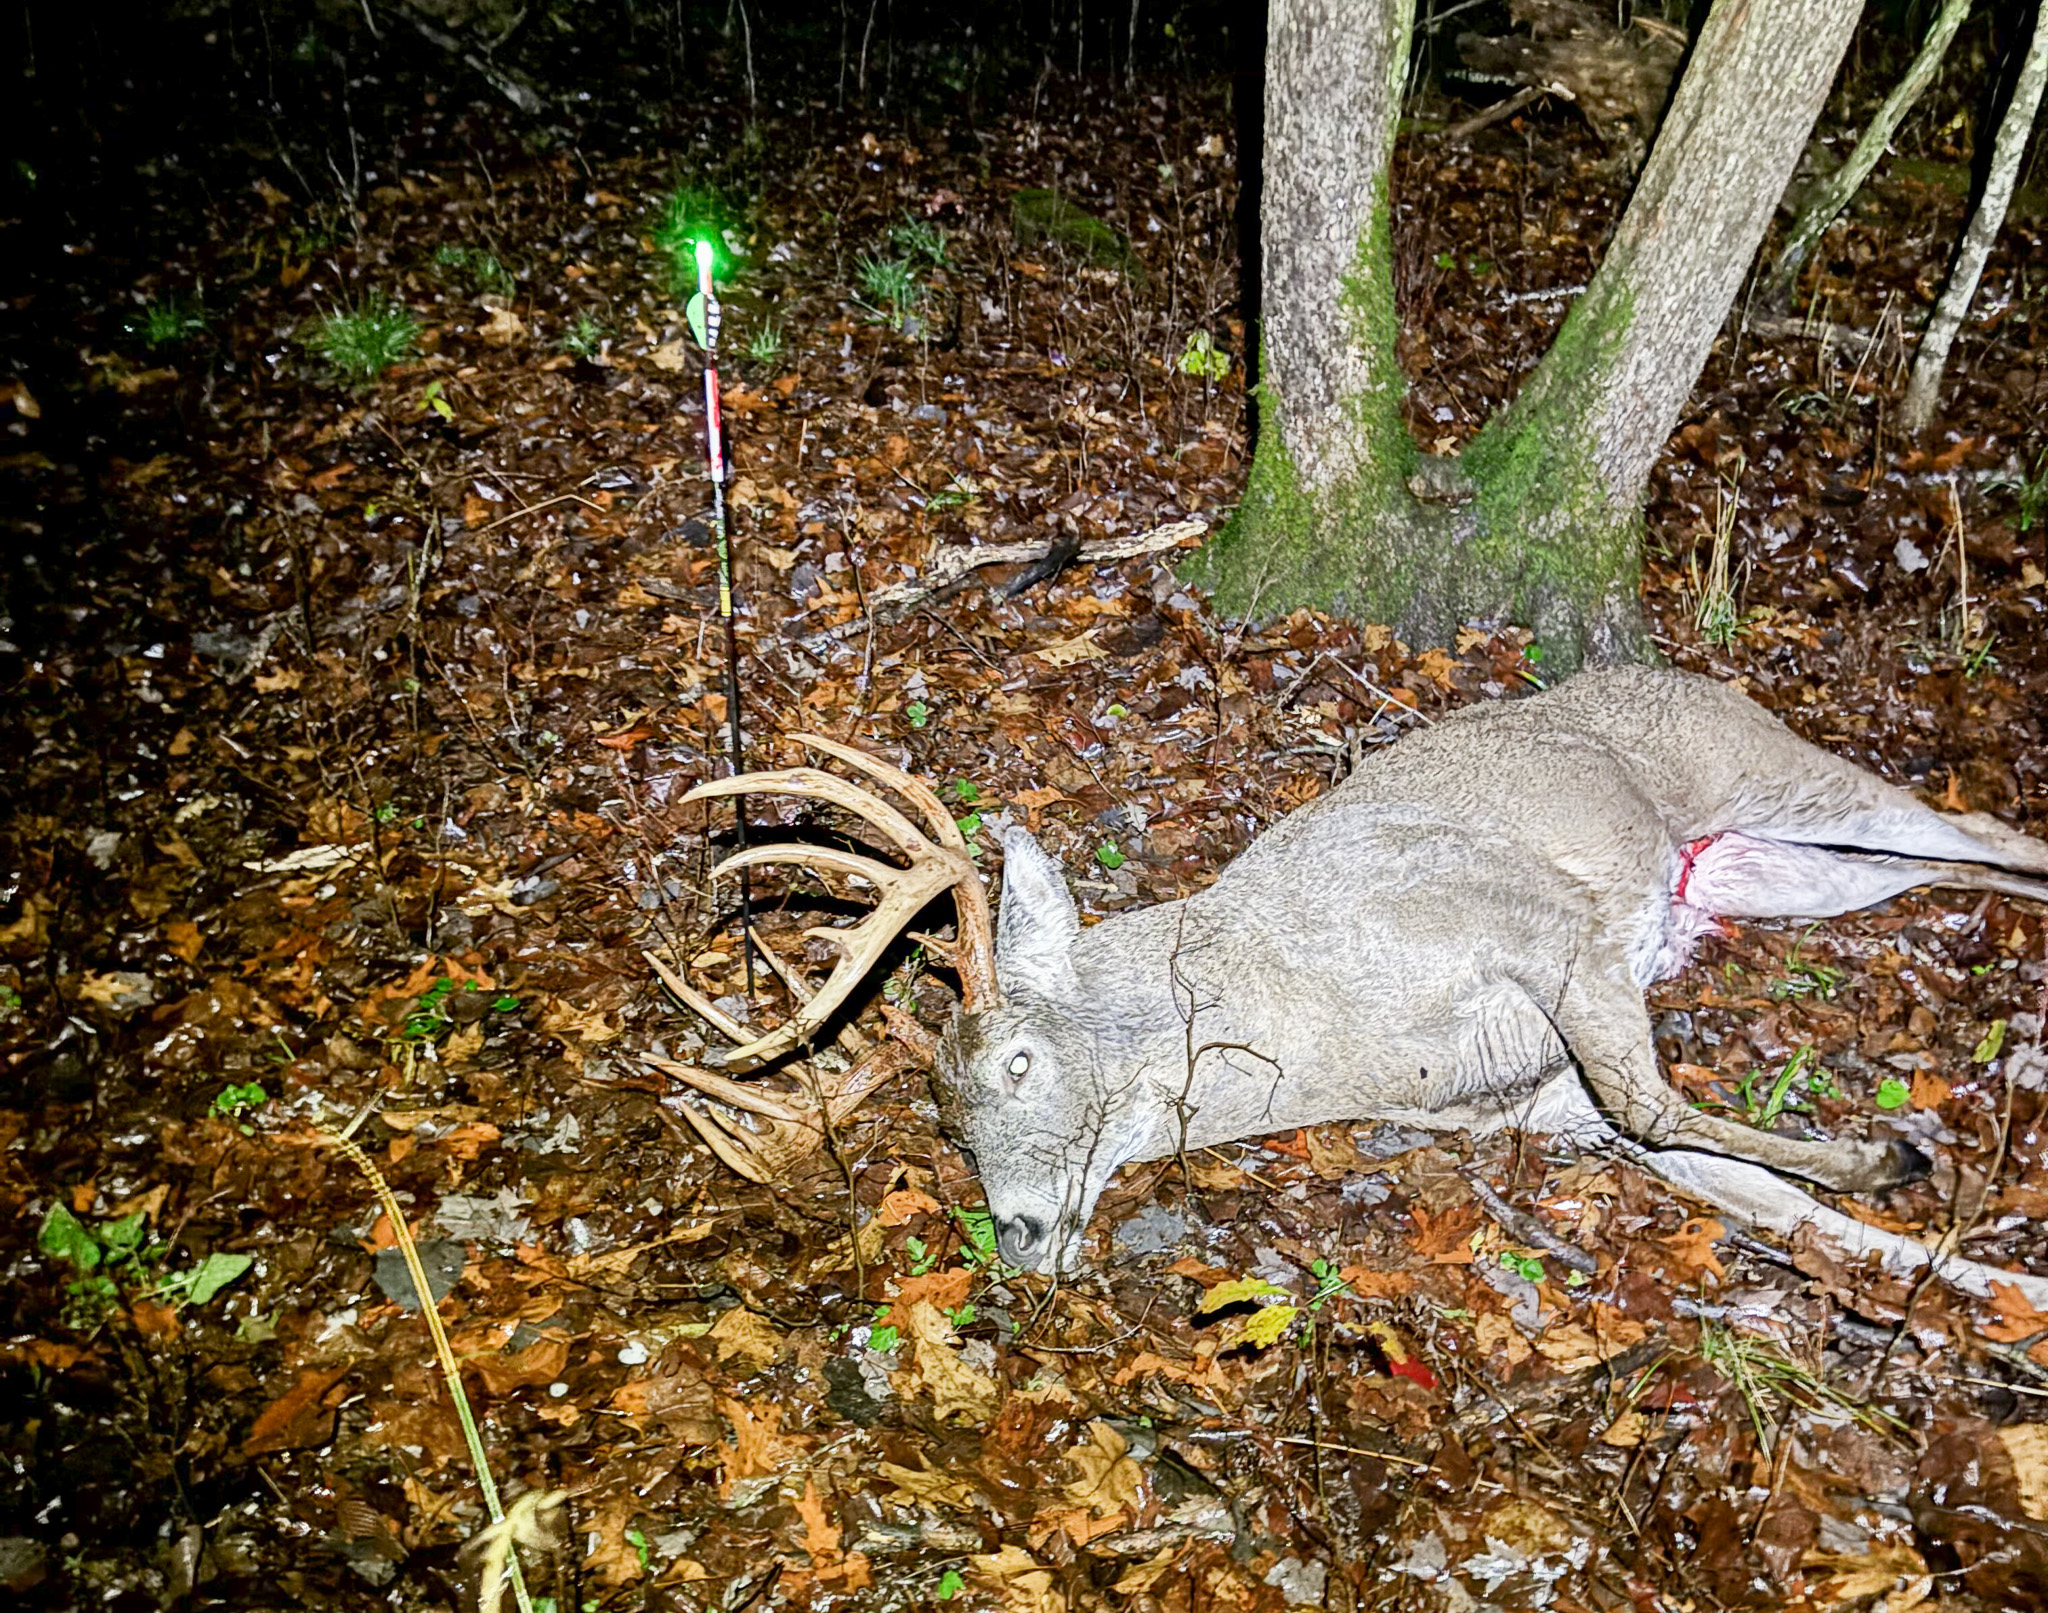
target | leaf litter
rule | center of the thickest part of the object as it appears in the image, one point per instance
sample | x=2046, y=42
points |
x=351, y=790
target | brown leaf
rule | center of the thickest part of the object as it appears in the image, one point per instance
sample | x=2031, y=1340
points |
x=1109, y=1480
x=956, y=1388
x=933, y=1487
x=1693, y=1245
x=301, y=1417
x=944, y=1290
x=747, y=1337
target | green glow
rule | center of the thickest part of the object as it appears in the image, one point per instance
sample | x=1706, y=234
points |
x=704, y=258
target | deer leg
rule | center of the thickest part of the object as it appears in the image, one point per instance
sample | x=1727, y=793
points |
x=1746, y=876
x=1608, y=1031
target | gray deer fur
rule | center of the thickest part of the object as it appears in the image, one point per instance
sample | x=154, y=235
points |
x=1457, y=936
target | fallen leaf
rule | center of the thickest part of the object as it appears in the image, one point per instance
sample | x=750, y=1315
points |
x=1068, y=651
x=503, y=328
x=747, y=1337
x=2027, y=1445
x=1016, y=1576
x=1693, y=1245
x=301, y=1417
x=933, y=1487
x=1897, y=1573
x=1143, y=1576
x=944, y=1290
x=1110, y=1480
x=956, y=1388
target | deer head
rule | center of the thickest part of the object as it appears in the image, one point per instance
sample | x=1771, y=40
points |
x=1020, y=1067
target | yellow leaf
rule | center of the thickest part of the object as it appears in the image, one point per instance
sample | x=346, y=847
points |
x=1236, y=1291
x=2027, y=1445
x=1896, y=1573
x=1265, y=1326
x=957, y=1389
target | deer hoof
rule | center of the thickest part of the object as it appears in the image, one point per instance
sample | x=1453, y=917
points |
x=1904, y=1163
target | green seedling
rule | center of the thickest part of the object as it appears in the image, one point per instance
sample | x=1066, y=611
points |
x=918, y=712
x=1529, y=1267
x=963, y=791
x=1109, y=856
x=480, y=268
x=764, y=347
x=951, y=1584
x=2031, y=492
x=888, y=285
x=1989, y=1044
x=232, y=1102
x=637, y=1539
x=365, y=340
x=961, y=1315
x=121, y=1253
x=978, y=1249
x=1202, y=358
x=1894, y=1093
x=10, y=1003
x=1762, y=1109
x=955, y=495
x=1980, y=657
x=431, y=1018
x=1804, y=978
x=923, y=1257
x=167, y=321
x=433, y=402
x=585, y=337
x=882, y=1339
x=919, y=238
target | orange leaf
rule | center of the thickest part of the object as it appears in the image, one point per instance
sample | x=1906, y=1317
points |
x=943, y=1290
x=1930, y=1091
x=1693, y=1244
x=2017, y=1318
x=302, y=1416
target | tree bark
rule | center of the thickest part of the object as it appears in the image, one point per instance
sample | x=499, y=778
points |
x=1541, y=521
x=1821, y=209
x=1923, y=391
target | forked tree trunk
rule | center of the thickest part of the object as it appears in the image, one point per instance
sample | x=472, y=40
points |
x=1826, y=203
x=1924, y=390
x=1540, y=521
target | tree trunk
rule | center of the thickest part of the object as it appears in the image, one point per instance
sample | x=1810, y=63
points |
x=1541, y=521
x=1924, y=390
x=1826, y=203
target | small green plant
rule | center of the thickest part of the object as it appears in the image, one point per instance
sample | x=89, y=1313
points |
x=978, y=1248
x=961, y=1315
x=481, y=269
x=233, y=1101
x=1762, y=1109
x=764, y=347
x=585, y=337
x=918, y=712
x=888, y=285
x=365, y=340
x=432, y=1017
x=919, y=238
x=951, y=1584
x=956, y=494
x=1109, y=856
x=923, y=1257
x=1528, y=1267
x=2031, y=492
x=1805, y=978
x=433, y=401
x=1759, y=1371
x=1980, y=657
x=964, y=792
x=1894, y=1093
x=118, y=1254
x=167, y=321
x=1202, y=358
x=10, y=1003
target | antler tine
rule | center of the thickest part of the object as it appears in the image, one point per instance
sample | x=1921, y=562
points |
x=816, y=785
x=912, y=789
x=904, y=894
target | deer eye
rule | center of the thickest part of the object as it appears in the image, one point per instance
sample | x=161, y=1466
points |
x=1019, y=1064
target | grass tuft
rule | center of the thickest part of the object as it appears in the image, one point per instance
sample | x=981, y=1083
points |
x=167, y=321
x=482, y=269
x=364, y=341
x=585, y=337
x=888, y=285
x=764, y=347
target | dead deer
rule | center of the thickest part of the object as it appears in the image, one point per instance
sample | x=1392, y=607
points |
x=1457, y=936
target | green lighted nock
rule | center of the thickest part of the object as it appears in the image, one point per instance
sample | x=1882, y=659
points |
x=704, y=259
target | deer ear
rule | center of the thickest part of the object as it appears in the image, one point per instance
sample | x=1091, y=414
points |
x=1036, y=923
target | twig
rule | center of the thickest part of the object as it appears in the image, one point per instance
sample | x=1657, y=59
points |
x=949, y=565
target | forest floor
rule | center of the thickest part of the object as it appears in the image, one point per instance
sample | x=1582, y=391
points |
x=350, y=722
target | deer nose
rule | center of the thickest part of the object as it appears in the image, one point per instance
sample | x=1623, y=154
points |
x=1021, y=1238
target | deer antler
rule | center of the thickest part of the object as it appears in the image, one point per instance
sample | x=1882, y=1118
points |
x=938, y=862
x=780, y=1128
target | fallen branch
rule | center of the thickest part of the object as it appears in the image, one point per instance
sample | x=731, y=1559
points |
x=949, y=566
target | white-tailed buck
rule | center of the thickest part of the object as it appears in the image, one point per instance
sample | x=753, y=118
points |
x=1458, y=935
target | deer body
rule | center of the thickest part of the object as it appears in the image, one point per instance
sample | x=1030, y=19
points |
x=1458, y=936
x=1451, y=938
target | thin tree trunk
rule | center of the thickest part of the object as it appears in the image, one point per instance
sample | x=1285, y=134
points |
x=1563, y=473
x=1822, y=208
x=1326, y=508
x=1924, y=390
